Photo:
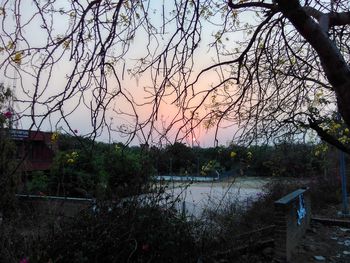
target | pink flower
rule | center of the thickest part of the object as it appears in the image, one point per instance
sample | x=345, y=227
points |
x=8, y=114
x=145, y=247
x=24, y=260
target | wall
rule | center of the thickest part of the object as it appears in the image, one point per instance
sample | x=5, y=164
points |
x=54, y=206
x=288, y=229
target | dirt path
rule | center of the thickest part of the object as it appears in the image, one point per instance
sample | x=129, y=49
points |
x=325, y=243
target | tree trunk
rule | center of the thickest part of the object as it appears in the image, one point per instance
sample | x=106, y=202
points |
x=333, y=63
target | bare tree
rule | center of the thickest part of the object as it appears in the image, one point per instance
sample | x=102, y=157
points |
x=276, y=67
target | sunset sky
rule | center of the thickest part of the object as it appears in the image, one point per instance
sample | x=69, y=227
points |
x=79, y=119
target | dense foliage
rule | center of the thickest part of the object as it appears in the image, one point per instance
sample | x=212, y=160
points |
x=128, y=233
x=84, y=168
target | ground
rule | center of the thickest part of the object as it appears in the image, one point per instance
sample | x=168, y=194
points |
x=324, y=243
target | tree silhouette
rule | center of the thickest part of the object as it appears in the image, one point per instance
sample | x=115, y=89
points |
x=275, y=68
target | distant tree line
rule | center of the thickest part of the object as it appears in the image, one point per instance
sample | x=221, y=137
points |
x=85, y=168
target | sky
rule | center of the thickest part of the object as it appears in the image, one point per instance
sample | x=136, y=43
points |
x=79, y=119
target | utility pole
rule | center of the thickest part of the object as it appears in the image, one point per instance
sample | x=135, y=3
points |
x=342, y=170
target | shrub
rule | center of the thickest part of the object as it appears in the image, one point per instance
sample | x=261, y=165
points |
x=233, y=218
x=127, y=233
x=38, y=183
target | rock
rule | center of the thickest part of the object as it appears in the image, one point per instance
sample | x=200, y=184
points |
x=334, y=238
x=346, y=252
x=343, y=229
x=320, y=258
x=347, y=242
x=340, y=243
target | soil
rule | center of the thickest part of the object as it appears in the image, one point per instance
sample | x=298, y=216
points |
x=325, y=243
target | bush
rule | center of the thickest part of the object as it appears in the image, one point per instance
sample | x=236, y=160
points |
x=127, y=233
x=324, y=191
x=38, y=183
x=136, y=231
x=233, y=218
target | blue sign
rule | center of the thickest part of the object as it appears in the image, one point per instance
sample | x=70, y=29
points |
x=19, y=134
x=301, y=212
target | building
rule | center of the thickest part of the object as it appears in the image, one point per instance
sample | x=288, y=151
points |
x=34, y=149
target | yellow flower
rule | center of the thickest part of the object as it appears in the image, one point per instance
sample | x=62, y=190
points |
x=54, y=137
x=337, y=126
x=344, y=139
x=320, y=149
x=71, y=157
x=66, y=44
x=249, y=155
x=117, y=148
x=10, y=45
x=319, y=94
x=2, y=11
x=17, y=58
x=233, y=154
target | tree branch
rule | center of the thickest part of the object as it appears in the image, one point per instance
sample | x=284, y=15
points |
x=250, y=4
x=325, y=136
x=333, y=62
x=327, y=20
x=339, y=19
